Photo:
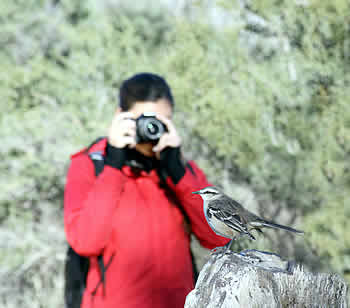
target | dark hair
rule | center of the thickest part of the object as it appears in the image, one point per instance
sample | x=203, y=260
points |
x=143, y=87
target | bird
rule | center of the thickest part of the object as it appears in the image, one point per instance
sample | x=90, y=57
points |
x=230, y=219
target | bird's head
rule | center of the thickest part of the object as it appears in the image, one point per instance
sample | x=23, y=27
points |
x=207, y=193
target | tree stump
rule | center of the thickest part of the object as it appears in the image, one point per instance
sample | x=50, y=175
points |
x=255, y=278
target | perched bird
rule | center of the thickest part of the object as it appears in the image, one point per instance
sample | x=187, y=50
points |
x=230, y=219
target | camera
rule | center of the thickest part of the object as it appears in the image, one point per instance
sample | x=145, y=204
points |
x=149, y=128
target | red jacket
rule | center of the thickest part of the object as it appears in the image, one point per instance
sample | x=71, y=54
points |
x=131, y=217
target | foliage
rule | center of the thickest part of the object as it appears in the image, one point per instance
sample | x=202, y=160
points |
x=275, y=110
x=261, y=105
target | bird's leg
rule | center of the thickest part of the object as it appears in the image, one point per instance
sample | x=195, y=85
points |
x=225, y=247
x=228, y=246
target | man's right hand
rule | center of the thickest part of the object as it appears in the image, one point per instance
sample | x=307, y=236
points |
x=122, y=132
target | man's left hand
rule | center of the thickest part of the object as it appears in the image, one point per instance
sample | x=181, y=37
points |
x=169, y=139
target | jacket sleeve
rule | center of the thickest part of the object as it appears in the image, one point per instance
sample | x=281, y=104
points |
x=194, y=179
x=89, y=204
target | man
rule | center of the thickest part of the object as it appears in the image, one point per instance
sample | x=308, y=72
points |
x=134, y=216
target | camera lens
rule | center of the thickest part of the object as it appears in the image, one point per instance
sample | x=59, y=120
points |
x=149, y=128
x=152, y=129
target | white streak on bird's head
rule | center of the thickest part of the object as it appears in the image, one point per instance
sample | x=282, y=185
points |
x=208, y=193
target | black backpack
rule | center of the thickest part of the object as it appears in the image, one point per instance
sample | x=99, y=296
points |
x=77, y=267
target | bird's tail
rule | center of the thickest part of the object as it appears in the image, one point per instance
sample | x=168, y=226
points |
x=270, y=224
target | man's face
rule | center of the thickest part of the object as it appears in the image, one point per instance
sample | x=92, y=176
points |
x=161, y=107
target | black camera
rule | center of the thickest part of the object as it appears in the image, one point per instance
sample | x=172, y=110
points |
x=149, y=128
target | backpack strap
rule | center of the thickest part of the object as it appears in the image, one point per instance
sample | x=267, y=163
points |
x=98, y=161
x=87, y=149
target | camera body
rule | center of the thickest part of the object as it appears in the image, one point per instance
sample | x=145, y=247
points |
x=149, y=128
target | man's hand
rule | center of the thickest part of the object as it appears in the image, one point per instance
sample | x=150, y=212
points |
x=168, y=151
x=122, y=132
x=169, y=139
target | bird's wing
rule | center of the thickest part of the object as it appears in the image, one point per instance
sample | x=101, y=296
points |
x=227, y=212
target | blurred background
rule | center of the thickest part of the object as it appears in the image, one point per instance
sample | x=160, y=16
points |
x=261, y=90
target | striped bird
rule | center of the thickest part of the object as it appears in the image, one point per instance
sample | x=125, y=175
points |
x=230, y=219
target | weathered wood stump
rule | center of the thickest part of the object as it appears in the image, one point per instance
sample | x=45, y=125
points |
x=254, y=278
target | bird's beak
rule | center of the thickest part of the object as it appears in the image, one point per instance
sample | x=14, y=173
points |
x=196, y=192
